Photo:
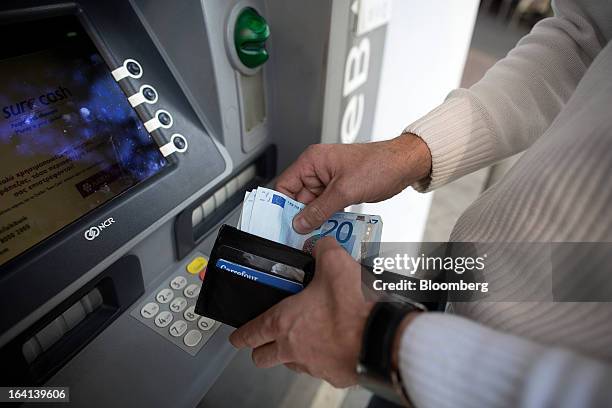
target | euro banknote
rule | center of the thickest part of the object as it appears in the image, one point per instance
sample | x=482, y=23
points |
x=269, y=214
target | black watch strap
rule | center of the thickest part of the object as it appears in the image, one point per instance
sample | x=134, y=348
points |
x=375, y=367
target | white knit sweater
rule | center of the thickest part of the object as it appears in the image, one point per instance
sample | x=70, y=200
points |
x=551, y=96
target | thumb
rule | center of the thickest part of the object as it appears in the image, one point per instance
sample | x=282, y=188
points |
x=324, y=245
x=318, y=211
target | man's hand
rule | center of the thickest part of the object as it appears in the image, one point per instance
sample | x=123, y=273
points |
x=330, y=177
x=319, y=330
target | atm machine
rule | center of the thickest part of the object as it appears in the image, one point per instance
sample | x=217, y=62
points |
x=129, y=132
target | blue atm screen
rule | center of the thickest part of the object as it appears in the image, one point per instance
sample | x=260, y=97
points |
x=69, y=140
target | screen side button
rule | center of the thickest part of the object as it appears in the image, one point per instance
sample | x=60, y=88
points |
x=161, y=119
x=146, y=94
x=177, y=144
x=164, y=118
x=130, y=68
x=133, y=68
x=149, y=94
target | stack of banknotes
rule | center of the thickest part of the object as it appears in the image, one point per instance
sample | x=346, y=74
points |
x=269, y=214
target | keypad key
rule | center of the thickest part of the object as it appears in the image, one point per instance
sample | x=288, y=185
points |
x=178, y=328
x=178, y=283
x=206, y=323
x=164, y=295
x=163, y=319
x=197, y=265
x=178, y=305
x=192, y=338
x=192, y=290
x=190, y=315
x=149, y=310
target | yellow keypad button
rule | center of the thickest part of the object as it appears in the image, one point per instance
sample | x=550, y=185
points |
x=197, y=265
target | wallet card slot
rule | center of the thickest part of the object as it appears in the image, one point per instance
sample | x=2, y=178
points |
x=249, y=260
x=259, y=276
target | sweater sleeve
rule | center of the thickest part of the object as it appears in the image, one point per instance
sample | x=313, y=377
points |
x=449, y=361
x=517, y=99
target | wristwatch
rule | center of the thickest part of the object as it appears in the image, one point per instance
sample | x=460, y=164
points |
x=375, y=369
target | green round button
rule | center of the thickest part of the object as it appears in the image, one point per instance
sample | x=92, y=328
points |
x=250, y=35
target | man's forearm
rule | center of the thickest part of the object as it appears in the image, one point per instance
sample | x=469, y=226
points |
x=515, y=102
x=413, y=155
x=444, y=358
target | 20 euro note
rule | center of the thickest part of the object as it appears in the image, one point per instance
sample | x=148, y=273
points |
x=269, y=214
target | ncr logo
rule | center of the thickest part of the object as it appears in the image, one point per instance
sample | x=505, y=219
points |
x=94, y=231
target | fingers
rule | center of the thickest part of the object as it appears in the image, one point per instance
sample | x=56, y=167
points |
x=310, y=180
x=300, y=182
x=268, y=355
x=332, y=261
x=255, y=333
x=319, y=210
x=306, y=196
x=324, y=245
x=298, y=368
x=290, y=181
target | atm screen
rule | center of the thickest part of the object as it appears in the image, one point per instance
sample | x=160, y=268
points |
x=69, y=140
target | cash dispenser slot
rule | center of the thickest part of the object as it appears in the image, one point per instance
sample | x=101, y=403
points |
x=41, y=350
x=195, y=221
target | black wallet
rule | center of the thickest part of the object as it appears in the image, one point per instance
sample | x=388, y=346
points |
x=247, y=274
